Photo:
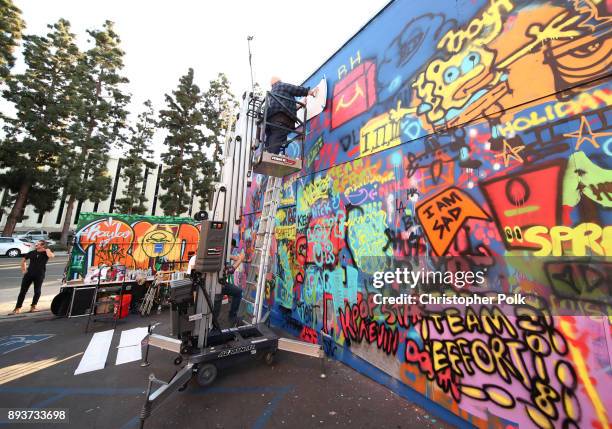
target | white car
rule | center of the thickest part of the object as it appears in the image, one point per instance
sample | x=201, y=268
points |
x=14, y=247
x=34, y=235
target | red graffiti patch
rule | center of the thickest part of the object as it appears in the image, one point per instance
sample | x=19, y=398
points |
x=309, y=335
x=519, y=201
x=354, y=94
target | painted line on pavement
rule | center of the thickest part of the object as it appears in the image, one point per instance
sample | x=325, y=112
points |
x=12, y=267
x=129, y=347
x=17, y=288
x=16, y=342
x=96, y=352
x=20, y=277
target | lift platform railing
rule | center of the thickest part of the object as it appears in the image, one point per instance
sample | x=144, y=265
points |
x=296, y=133
x=255, y=106
x=259, y=111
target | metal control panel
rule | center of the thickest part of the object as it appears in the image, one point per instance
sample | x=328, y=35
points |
x=211, y=249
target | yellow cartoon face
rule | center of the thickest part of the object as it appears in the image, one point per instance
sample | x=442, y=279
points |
x=448, y=86
x=158, y=242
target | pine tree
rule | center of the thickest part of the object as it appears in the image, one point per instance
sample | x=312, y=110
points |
x=219, y=109
x=41, y=95
x=138, y=156
x=184, y=120
x=204, y=184
x=99, y=119
x=11, y=26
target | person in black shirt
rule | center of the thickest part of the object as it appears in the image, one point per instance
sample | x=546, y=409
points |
x=282, y=112
x=34, y=273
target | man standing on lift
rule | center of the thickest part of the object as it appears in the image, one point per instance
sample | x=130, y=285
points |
x=282, y=113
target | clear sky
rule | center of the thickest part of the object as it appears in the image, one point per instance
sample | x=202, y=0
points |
x=162, y=39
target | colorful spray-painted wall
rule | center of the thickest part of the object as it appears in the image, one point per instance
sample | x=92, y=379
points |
x=138, y=242
x=467, y=135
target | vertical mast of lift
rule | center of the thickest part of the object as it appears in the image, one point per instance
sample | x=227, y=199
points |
x=248, y=139
x=233, y=176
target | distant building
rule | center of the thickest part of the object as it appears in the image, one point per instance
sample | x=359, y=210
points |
x=54, y=219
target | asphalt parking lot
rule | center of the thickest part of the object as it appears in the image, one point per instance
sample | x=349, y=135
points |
x=37, y=370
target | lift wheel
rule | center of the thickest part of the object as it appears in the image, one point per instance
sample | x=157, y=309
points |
x=207, y=373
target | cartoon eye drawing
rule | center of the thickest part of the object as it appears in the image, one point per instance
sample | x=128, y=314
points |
x=451, y=74
x=469, y=62
x=518, y=234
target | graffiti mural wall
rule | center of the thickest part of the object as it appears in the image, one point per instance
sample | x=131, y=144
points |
x=138, y=242
x=464, y=134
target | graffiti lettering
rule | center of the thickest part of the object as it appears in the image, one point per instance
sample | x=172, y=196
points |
x=314, y=151
x=309, y=335
x=444, y=214
x=316, y=190
x=482, y=29
x=552, y=112
x=357, y=329
x=285, y=232
x=384, y=131
x=582, y=237
x=342, y=70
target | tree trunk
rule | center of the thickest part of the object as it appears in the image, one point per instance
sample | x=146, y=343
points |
x=67, y=220
x=132, y=194
x=17, y=209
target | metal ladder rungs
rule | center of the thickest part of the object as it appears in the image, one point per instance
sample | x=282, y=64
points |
x=259, y=268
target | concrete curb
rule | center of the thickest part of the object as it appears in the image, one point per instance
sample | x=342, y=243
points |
x=44, y=304
x=25, y=315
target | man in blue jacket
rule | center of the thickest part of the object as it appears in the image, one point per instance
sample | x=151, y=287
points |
x=282, y=112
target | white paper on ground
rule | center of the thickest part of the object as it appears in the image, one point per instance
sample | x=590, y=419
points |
x=129, y=345
x=96, y=353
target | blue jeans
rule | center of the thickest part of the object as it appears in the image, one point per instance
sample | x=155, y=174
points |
x=235, y=293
